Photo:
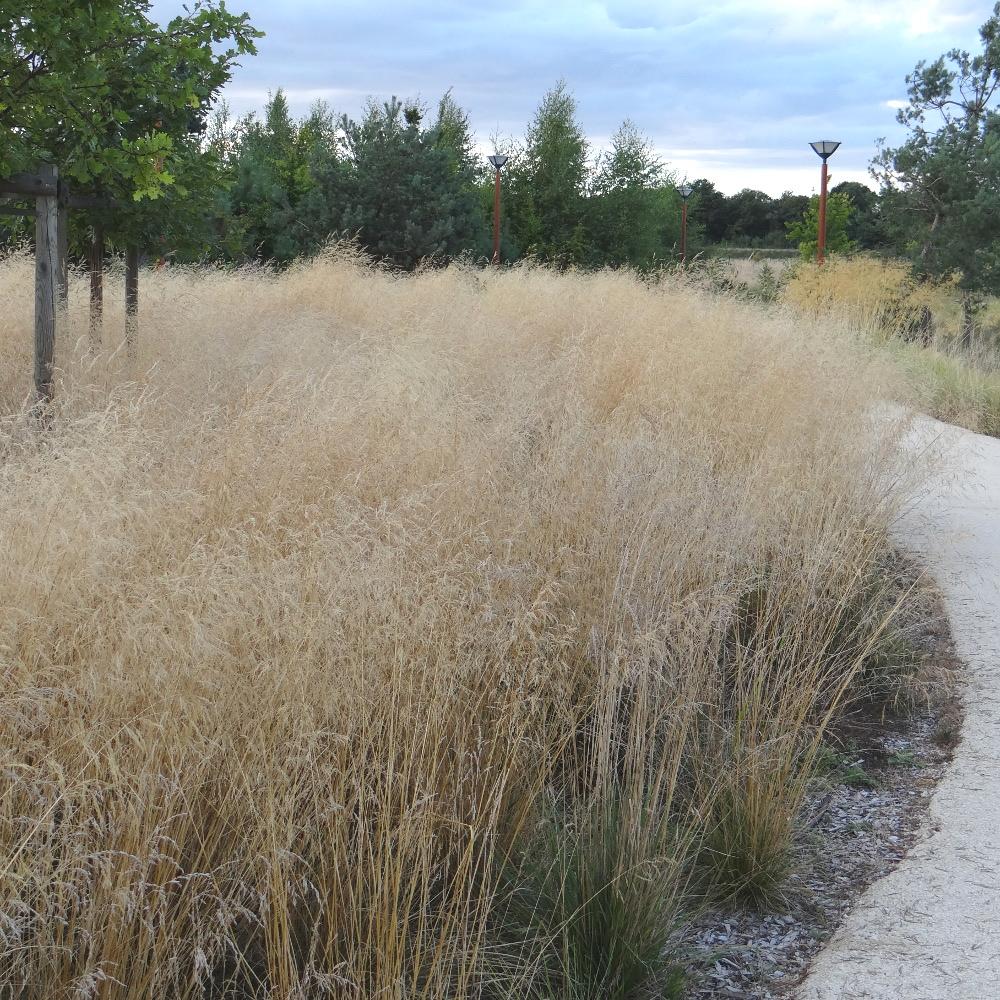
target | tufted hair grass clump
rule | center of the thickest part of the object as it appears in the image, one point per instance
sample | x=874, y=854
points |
x=440, y=636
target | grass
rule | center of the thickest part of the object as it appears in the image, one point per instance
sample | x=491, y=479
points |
x=958, y=386
x=957, y=383
x=444, y=636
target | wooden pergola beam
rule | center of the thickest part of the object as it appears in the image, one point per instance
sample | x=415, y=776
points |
x=92, y=201
x=29, y=185
x=53, y=201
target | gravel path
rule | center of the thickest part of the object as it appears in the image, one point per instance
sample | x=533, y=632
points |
x=931, y=929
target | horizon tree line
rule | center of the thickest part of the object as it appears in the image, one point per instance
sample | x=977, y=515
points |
x=406, y=182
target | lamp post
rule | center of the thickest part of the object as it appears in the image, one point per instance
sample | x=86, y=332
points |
x=824, y=149
x=685, y=192
x=498, y=162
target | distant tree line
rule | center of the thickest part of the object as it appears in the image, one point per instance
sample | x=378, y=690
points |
x=406, y=182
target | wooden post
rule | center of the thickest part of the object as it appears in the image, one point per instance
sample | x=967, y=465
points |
x=97, y=287
x=132, y=301
x=62, y=245
x=46, y=277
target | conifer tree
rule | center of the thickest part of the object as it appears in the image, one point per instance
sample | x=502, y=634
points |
x=941, y=188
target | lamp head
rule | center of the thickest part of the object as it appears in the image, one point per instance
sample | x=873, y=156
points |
x=685, y=190
x=824, y=148
x=498, y=161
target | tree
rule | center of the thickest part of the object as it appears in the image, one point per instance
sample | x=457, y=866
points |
x=941, y=187
x=711, y=208
x=401, y=190
x=866, y=226
x=788, y=208
x=454, y=133
x=105, y=93
x=805, y=231
x=273, y=171
x=749, y=214
x=633, y=211
x=547, y=182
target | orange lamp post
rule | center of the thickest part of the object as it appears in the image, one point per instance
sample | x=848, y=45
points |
x=685, y=192
x=824, y=149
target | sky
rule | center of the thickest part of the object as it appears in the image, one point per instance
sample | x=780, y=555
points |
x=732, y=90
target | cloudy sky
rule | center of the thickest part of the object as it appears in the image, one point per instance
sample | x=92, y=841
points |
x=732, y=90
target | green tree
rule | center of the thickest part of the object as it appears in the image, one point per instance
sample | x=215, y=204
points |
x=454, y=133
x=783, y=210
x=942, y=186
x=749, y=217
x=108, y=95
x=401, y=190
x=710, y=208
x=633, y=212
x=272, y=198
x=547, y=182
x=866, y=226
x=804, y=231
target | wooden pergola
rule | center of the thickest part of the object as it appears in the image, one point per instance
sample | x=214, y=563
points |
x=52, y=203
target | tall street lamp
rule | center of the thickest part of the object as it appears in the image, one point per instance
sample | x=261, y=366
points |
x=498, y=162
x=824, y=149
x=685, y=192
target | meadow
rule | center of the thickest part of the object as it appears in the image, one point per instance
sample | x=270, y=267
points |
x=445, y=636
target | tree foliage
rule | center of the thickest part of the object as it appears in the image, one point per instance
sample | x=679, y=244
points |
x=805, y=231
x=749, y=218
x=406, y=192
x=942, y=186
x=406, y=182
x=105, y=93
x=547, y=182
x=274, y=164
x=635, y=208
x=866, y=226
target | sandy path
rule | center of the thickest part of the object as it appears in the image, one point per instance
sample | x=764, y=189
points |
x=931, y=929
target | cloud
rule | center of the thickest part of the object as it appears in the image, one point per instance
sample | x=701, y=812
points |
x=757, y=78
x=818, y=20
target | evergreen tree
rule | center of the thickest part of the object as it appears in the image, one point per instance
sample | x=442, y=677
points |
x=454, y=133
x=401, y=189
x=942, y=186
x=274, y=167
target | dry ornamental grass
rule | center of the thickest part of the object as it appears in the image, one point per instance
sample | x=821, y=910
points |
x=920, y=324
x=434, y=636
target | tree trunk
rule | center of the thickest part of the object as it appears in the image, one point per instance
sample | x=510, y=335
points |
x=97, y=288
x=132, y=302
x=46, y=284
